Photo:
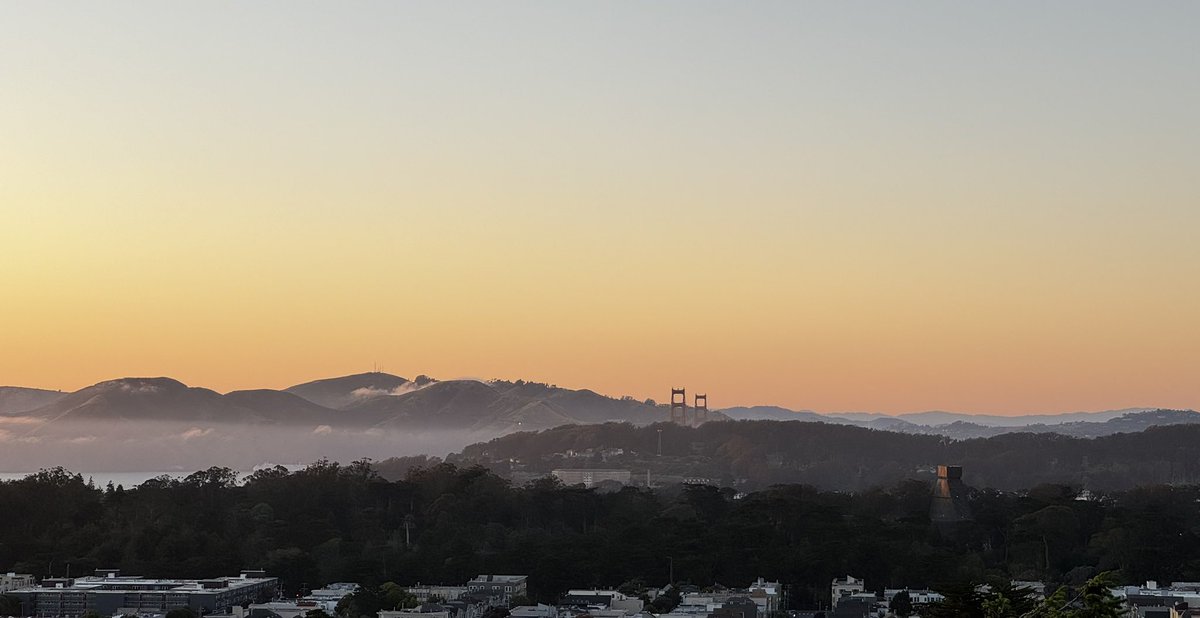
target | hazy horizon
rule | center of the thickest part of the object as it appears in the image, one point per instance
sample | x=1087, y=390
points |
x=871, y=206
x=660, y=399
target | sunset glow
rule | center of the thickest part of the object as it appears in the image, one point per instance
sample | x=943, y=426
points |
x=839, y=206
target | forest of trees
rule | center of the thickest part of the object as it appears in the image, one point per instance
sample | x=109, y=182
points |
x=758, y=454
x=445, y=524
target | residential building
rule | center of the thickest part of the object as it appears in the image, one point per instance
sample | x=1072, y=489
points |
x=468, y=606
x=844, y=588
x=503, y=586
x=736, y=607
x=603, y=599
x=431, y=610
x=12, y=581
x=327, y=598
x=1154, y=601
x=281, y=609
x=767, y=595
x=437, y=594
x=533, y=611
x=853, y=606
x=917, y=597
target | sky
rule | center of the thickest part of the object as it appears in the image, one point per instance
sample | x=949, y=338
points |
x=839, y=206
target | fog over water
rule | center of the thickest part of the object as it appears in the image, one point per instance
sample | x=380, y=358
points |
x=151, y=448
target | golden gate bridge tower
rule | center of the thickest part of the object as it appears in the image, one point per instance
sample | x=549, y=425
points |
x=700, y=415
x=678, y=406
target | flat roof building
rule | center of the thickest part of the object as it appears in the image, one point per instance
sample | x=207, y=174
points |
x=590, y=477
x=109, y=593
x=13, y=581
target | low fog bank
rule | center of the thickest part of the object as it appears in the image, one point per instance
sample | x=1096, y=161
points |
x=27, y=445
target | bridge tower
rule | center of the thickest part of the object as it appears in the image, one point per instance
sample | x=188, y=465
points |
x=678, y=406
x=701, y=413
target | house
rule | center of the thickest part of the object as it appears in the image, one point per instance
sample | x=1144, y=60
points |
x=437, y=594
x=736, y=607
x=327, y=598
x=1154, y=601
x=767, y=595
x=281, y=609
x=503, y=586
x=854, y=606
x=428, y=610
x=602, y=599
x=917, y=597
x=533, y=611
x=844, y=588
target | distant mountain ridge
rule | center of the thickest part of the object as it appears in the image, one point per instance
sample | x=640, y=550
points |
x=345, y=391
x=386, y=402
x=370, y=400
x=166, y=399
x=16, y=400
x=965, y=426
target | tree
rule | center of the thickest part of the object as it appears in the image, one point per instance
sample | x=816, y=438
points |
x=393, y=596
x=959, y=601
x=1005, y=601
x=1094, y=600
x=9, y=605
x=632, y=587
x=362, y=603
x=666, y=601
x=181, y=612
x=901, y=604
x=317, y=613
x=1098, y=599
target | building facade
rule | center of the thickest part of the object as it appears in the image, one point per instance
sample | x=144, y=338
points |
x=110, y=594
x=589, y=477
x=14, y=581
x=503, y=586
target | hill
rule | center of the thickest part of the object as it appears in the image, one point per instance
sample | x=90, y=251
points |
x=992, y=420
x=145, y=399
x=347, y=391
x=774, y=413
x=366, y=400
x=755, y=454
x=281, y=406
x=499, y=407
x=15, y=400
x=965, y=426
x=168, y=400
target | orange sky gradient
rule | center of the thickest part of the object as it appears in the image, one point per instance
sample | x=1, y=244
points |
x=868, y=208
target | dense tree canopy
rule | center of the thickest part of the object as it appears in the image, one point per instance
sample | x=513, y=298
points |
x=333, y=522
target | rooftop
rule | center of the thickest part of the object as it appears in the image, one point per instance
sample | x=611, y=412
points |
x=135, y=582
